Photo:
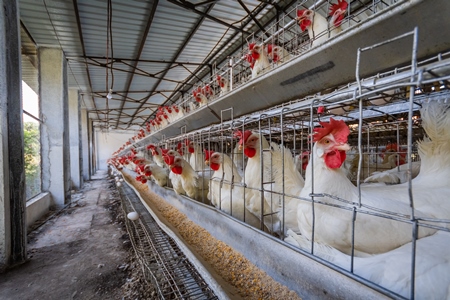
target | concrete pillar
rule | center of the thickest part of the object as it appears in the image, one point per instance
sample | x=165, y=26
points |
x=92, y=157
x=12, y=173
x=75, y=139
x=85, y=145
x=53, y=94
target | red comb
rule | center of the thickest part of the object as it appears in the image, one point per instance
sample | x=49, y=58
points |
x=341, y=4
x=251, y=46
x=208, y=154
x=300, y=12
x=187, y=142
x=169, y=159
x=243, y=136
x=338, y=129
x=164, y=151
x=269, y=48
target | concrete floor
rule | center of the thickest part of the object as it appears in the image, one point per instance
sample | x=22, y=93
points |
x=76, y=254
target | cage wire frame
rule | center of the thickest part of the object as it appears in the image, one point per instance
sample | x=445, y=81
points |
x=304, y=110
x=284, y=33
x=299, y=118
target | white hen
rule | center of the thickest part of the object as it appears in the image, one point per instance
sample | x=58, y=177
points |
x=261, y=60
x=183, y=177
x=319, y=29
x=333, y=226
x=396, y=175
x=157, y=154
x=196, y=159
x=157, y=174
x=392, y=270
x=224, y=195
x=253, y=145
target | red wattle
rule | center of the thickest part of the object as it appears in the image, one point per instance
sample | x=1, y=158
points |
x=249, y=152
x=305, y=24
x=215, y=166
x=335, y=159
x=177, y=170
x=191, y=150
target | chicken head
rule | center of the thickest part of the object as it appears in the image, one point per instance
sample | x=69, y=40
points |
x=248, y=141
x=331, y=142
x=175, y=163
x=215, y=159
x=305, y=18
x=337, y=12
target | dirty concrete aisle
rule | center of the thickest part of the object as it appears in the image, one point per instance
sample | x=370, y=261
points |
x=79, y=253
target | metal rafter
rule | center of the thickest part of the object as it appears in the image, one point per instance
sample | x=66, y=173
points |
x=80, y=34
x=190, y=6
x=213, y=55
x=188, y=38
x=120, y=59
x=249, y=13
x=141, y=47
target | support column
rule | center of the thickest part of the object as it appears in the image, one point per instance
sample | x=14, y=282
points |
x=92, y=154
x=12, y=186
x=85, y=144
x=53, y=93
x=75, y=139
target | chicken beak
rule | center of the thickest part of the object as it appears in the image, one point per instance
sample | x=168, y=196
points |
x=342, y=147
x=240, y=147
x=207, y=162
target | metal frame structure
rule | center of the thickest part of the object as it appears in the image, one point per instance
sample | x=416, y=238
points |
x=389, y=101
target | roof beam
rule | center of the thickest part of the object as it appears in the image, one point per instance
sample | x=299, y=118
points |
x=249, y=13
x=190, y=6
x=80, y=34
x=121, y=59
x=141, y=47
x=213, y=55
x=188, y=38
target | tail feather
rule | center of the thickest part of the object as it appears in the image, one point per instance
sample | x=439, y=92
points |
x=434, y=149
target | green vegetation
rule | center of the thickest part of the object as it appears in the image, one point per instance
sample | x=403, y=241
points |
x=32, y=156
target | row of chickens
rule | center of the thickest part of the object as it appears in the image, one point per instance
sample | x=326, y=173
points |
x=326, y=211
x=260, y=57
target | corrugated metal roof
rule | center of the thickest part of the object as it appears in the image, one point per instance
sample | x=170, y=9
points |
x=148, y=67
x=160, y=49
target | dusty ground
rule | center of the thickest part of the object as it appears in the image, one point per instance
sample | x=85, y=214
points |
x=82, y=252
x=247, y=280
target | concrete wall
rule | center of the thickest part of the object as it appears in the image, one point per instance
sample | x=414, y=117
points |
x=13, y=245
x=37, y=207
x=108, y=143
x=75, y=139
x=84, y=142
x=53, y=110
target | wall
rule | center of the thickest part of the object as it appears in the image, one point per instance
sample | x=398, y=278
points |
x=37, y=207
x=109, y=142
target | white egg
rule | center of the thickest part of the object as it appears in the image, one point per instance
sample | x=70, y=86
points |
x=116, y=178
x=118, y=183
x=121, y=180
x=133, y=216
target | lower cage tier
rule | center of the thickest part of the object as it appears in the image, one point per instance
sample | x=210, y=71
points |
x=239, y=261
